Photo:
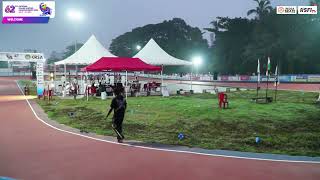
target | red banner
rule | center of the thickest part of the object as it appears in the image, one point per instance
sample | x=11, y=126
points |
x=224, y=78
x=244, y=78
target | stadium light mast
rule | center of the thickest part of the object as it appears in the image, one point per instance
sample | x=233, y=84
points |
x=196, y=62
x=76, y=16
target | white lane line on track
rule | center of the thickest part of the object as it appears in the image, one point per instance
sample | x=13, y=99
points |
x=159, y=149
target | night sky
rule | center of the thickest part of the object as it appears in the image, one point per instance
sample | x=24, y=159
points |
x=109, y=18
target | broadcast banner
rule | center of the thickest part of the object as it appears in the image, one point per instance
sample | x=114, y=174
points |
x=25, y=12
x=28, y=57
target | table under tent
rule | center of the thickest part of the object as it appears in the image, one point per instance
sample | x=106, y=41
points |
x=118, y=64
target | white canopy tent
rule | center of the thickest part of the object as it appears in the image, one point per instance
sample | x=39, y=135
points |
x=89, y=53
x=153, y=54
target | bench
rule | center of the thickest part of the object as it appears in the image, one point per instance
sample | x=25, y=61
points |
x=211, y=91
x=184, y=92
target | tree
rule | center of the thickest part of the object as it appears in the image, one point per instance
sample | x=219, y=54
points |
x=231, y=37
x=58, y=56
x=315, y=2
x=263, y=8
x=54, y=57
x=71, y=49
x=290, y=41
x=175, y=36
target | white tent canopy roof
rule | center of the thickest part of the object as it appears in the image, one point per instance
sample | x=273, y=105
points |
x=153, y=54
x=89, y=53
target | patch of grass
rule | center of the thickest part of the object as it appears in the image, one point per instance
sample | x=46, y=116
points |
x=289, y=126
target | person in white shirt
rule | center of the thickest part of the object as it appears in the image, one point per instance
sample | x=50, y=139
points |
x=107, y=78
x=63, y=79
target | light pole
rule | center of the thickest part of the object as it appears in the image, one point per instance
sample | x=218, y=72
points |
x=76, y=16
x=196, y=61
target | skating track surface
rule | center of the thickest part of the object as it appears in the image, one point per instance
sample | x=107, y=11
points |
x=29, y=149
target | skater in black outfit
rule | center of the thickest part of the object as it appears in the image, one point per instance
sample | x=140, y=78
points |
x=119, y=105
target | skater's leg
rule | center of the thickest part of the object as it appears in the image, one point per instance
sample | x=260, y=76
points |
x=119, y=129
x=116, y=126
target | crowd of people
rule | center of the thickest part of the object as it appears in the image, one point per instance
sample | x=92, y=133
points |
x=94, y=85
x=104, y=85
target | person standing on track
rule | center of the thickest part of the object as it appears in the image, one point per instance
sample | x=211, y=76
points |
x=119, y=105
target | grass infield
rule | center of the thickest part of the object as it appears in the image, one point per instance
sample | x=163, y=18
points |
x=289, y=126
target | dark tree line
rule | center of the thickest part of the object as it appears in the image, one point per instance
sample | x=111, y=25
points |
x=70, y=49
x=175, y=36
x=292, y=41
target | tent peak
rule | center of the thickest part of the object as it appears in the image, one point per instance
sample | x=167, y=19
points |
x=153, y=54
x=92, y=37
x=90, y=52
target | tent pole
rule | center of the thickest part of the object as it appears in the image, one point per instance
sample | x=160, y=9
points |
x=65, y=70
x=76, y=70
x=82, y=84
x=162, y=79
x=87, y=86
x=87, y=92
x=126, y=84
x=191, y=76
x=55, y=76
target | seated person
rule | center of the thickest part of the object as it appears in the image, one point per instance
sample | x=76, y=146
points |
x=136, y=80
x=119, y=85
x=109, y=91
x=67, y=87
x=145, y=87
x=102, y=80
x=102, y=88
x=74, y=90
x=93, y=89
